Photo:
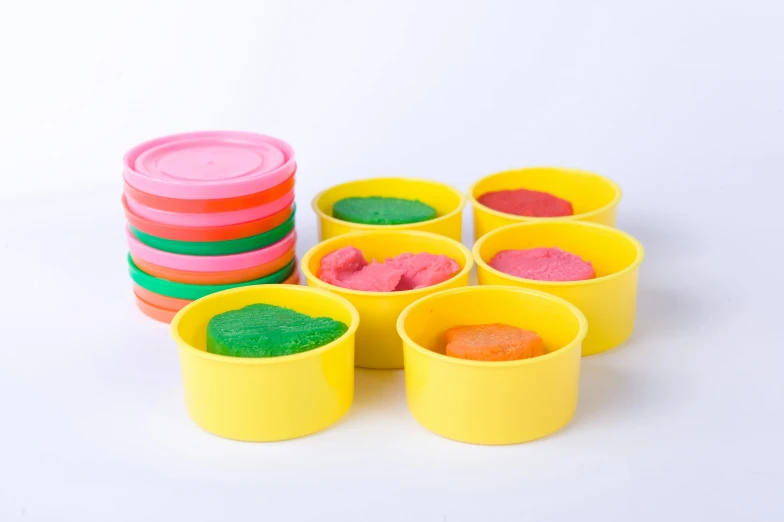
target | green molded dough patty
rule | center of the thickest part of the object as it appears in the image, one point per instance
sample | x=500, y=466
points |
x=377, y=210
x=263, y=330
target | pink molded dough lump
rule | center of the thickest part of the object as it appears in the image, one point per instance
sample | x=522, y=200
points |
x=423, y=270
x=524, y=202
x=347, y=268
x=543, y=264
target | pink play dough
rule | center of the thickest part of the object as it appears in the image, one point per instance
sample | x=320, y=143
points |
x=347, y=268
x=422, y=270
x=543, y=264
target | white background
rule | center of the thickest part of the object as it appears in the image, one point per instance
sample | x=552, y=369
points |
x=680, y=102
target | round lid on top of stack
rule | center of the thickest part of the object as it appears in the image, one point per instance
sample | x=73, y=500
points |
x=208, y=165
x=200, y=196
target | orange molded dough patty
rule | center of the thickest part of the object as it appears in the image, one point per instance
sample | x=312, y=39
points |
x=492, y=342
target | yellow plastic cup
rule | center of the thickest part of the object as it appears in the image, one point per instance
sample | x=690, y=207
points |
x=609, y=301
x=488, y=402
x=594, y=197
x=447, y=201
x=266, y=399
x=378, y=345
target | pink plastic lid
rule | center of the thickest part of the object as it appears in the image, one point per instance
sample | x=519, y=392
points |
x=224, y=263
x=208, y=165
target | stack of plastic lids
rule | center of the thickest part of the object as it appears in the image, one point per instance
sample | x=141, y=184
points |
x=208, y=211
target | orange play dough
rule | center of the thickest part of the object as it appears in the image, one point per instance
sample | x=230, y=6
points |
x=492, y=342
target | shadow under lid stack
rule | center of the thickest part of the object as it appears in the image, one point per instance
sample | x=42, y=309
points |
x=208, y=211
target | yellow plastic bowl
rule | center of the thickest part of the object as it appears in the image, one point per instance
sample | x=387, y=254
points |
x=484, y=402
x=609, y=301
x=378, y=345
x=266, y=399
x=594, y=197
x=447, y=201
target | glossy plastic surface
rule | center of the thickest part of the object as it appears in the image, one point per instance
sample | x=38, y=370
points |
x=266, y=399
x=492, y=402
x=186, y=291
x=608, y=302
x=210, y=263
x=208, y=165
x=594, y=197
x=217, y=248
x=210, y=219
x=160, y=301
x=378, y=345
x=163, y=308
x=226, y=233
x=215, y=278
x=163, y=315
x=210, y=205
x=447, y=201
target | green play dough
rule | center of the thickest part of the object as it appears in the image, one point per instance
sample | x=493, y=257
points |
x=376, y=210
x=263, y=330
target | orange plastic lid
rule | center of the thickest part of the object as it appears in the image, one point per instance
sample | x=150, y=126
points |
x=210, y=205
x=224, y=233
x=151, y=304
x=160, y=301
x=159, y=314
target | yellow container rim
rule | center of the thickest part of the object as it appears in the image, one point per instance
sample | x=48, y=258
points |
x=574, y=343
x=323, y=215
x=616, y=199
x=260, y=361
x=310, y=276
x=636, y=263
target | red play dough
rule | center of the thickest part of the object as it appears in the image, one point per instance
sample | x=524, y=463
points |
x=347, y=268
x=523, y=202
x=543, y=264
x=492, y=342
